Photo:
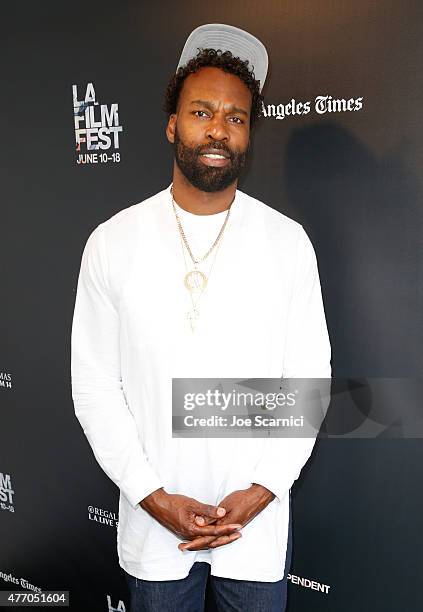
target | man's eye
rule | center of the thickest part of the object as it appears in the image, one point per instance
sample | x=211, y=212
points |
x=200, y=111
x=237, y=120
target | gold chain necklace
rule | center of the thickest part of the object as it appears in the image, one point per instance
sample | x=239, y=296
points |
x=195, y=280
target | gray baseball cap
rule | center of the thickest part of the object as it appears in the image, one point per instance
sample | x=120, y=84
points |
x=240, y=43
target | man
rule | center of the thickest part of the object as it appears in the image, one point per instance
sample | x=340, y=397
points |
x=199, y=280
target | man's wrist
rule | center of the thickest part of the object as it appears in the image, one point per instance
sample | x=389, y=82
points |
x=263, y=492
x=153, y=499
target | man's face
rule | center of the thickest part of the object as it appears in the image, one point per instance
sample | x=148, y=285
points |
x=211, y=129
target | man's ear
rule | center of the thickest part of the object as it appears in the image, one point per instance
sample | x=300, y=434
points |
x=170, y=128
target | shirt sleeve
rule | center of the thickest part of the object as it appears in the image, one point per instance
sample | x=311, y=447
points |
x=97, y=390
x=307, y=355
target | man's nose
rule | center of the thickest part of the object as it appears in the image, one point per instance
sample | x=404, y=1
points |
x=217, y=128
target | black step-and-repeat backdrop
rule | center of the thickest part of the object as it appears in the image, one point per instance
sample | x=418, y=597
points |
x=339, y=149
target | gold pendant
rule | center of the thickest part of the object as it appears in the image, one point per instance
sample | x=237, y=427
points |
x=195, y=280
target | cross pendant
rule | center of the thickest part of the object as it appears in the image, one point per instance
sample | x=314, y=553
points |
x=193, y=316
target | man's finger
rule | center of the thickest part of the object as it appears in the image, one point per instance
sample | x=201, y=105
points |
x=215, y=530
x=209, y=542
x=197, y=544
x=208, y=510
x=226, y=539
x=204, y=520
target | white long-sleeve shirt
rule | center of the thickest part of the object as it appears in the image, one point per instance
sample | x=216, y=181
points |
x=261, y=315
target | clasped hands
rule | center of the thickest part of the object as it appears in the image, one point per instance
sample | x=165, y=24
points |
x=204, y=525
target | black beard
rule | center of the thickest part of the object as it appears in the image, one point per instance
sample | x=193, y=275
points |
x=208, y=178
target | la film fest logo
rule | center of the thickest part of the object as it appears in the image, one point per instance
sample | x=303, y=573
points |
x=103, y=517
x=97, y=128
x=6, y=492
x=120, y=607
x=322, y=105
x=5, y=380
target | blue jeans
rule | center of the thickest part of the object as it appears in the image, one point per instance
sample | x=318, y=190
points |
x=227, y=594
